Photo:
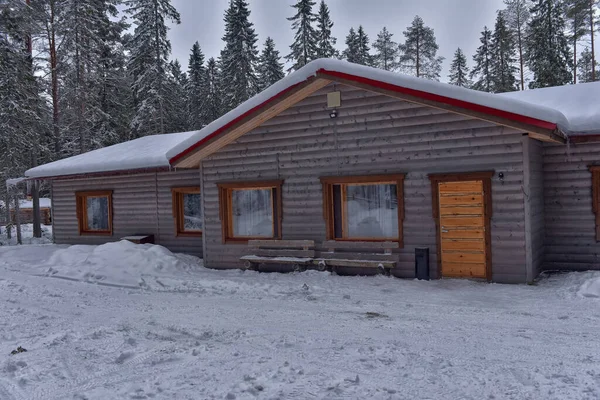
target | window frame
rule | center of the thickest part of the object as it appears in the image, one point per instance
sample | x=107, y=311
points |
x=225, y=208
x=329, y=203
x=177, y=194
x=81, y=211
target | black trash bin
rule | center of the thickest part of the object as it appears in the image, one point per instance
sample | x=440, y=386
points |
x=422, y=263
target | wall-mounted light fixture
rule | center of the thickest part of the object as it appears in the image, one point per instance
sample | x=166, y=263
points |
x=501, y=176
x=334, y=101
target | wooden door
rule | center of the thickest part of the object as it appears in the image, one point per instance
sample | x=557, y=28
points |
x=462, y=229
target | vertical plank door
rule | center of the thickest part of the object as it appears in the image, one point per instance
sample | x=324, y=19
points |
x=462, y=229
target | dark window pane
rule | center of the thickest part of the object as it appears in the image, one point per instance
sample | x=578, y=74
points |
x=337, y=211
x=97, y=213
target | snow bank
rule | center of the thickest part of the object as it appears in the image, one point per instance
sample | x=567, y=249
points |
x=591, y=286
x=120, y=264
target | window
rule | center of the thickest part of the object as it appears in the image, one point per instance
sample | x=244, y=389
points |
x=364, y=208
x=250, y=210
x=94, y=212
x=596, y=197
x=187, y=211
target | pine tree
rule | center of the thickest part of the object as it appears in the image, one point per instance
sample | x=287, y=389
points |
x=357, y=50
x=270, y=69
x=459, y=71
x=49, y=18
x=585, y=68
x=482, y=71
x=548, y=50
x=517, y=16
x=351, y=51
x=325, y=41
x=177, y=96
x=213, y=107
x=114, y=82
x=196, y=88
x=23, y=115
x=304, y=48
x=240, y=55
x=594, y=23
x=419, y=51
x=387, y=51
x=87, y=73
x=503, y=68
x=577, y=21
x=150, y=49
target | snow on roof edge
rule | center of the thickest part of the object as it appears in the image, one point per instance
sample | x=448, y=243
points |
x=144, y=153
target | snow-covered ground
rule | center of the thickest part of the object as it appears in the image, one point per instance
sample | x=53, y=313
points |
x=26, y=235
x=143, y=323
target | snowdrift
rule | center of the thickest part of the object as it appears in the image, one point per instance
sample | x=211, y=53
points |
x=120, y=264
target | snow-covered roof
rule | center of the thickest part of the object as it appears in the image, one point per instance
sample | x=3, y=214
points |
x=143, y=153
x=478, y=101
x=580, y=104
x=14, y=181
x=570, y=109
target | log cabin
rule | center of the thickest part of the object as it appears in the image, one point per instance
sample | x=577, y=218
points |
x=356, y=169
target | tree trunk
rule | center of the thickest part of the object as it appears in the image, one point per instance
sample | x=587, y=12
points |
x=18, y=218
x=575, y=62
x=159, y=83
x=592, y=31
x=51, y=32
x=8, y=221
x=37, y=223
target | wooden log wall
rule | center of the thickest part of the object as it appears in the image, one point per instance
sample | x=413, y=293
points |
x=141, y=205
x=373, y=134
x=570, y=242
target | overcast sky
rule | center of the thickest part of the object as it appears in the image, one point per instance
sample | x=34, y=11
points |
x=457, y=23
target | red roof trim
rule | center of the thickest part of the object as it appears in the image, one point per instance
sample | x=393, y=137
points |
x=230, y=124
x=443, y=99
x=382, y=85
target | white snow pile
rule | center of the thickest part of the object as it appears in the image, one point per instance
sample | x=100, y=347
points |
x=591, y=286
x=120, y=264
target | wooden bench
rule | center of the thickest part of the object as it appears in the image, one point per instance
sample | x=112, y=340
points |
x=377, y=255
x=297, y=253
x=139, y=239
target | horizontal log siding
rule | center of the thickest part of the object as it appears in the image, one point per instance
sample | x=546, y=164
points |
x=135, y=200
x=534, y=203
x=570, y=242
x=373, y=134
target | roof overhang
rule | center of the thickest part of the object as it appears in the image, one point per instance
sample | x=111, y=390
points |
x=253, y=118
x=101, y=174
